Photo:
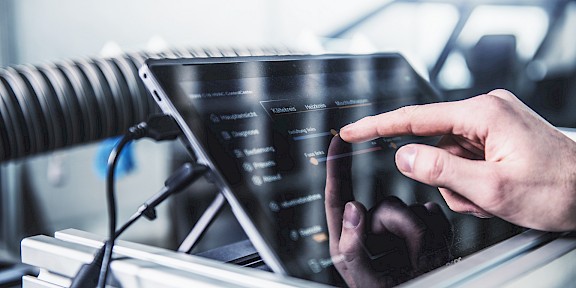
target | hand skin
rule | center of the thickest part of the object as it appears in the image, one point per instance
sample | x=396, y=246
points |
x=496, y=157
x=420, y=234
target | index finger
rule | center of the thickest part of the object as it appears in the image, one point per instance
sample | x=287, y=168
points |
x=420, y=120
x=338, y=189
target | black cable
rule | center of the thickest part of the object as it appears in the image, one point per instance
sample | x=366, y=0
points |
x=88, y=275
x=158, y=127
x=111, y=199
x=183, y=177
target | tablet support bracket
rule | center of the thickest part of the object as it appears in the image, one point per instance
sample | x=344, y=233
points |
x=203, y=223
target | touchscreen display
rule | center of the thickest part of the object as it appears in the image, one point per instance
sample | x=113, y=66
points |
x=267, y=125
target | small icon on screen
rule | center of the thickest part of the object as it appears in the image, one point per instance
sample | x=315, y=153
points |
x=214, y=118
x=226, y=135
x=274, y=206
x=294, y=235
x=314, y=266
x=248, y=167
x=257, y=180
x=238, y=153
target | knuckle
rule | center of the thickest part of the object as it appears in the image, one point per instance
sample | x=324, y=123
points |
x=348, y=252
x=492, y=105
x=436, y=170
x=402, y=121
x=433, y=207
x=408, y=112
x=394, y=201
x=334, y=250
x=374, y=123
x=389, y=204
x=504, y=94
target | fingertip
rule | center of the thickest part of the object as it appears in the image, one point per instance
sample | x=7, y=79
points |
x=346, y=127
x=346, y=132
x=405, y=158
x=359, y=131
x=337, y=143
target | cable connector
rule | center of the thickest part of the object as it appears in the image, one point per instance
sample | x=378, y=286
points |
x=159, y=127
x=88, y=274
x=187, y=174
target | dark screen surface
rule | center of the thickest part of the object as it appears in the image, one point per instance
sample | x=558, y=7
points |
x=266, y=124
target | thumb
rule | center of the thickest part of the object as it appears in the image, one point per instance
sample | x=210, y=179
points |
x=353, y=256
x=439, y=168
x=352, y=237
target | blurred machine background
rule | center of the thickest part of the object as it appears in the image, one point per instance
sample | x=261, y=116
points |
x=463, y=47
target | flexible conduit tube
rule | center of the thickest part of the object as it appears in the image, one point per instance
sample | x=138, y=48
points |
x=56, y=105
x=51, y=106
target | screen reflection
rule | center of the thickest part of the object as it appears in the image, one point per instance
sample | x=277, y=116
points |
x=387, y=245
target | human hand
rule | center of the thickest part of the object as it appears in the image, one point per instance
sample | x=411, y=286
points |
x=495, y=157
x=415, y=238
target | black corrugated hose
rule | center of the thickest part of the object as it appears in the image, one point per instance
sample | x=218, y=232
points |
x=55, y=105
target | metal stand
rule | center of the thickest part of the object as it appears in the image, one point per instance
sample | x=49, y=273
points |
x=203, y=223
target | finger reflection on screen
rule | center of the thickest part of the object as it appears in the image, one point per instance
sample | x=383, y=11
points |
x=389, y=244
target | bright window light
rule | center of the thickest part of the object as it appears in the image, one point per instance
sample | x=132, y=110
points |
x=528, y=24
x=417, y=30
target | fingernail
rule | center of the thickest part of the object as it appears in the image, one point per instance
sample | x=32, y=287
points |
x=405, y=158
x=351, y=216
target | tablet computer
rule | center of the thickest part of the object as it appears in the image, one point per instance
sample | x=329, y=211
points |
x=264, y=126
